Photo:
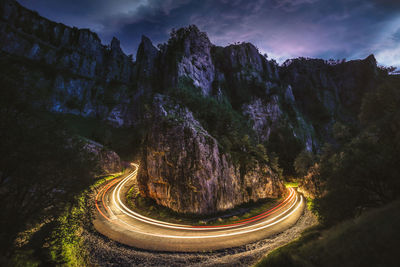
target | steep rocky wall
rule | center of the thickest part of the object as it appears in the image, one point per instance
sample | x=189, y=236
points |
x=183, y=168
x=333, y=86
x=312, y=186
x=187, y=54
x=87, y=78
x=25, y=33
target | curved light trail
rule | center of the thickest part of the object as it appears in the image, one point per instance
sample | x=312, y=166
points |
x=117, y=221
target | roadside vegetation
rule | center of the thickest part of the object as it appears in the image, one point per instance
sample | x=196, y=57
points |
x=44, y=182
x=42, y=169
x=58, y=240
x=67, y=245
x=355, y=186
x=368, y=240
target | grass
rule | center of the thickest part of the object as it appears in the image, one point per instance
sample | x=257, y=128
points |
x=369, y=240
x=105, y=179
x=150, y=208
x=310, y=205
x=24, y=258
x=67, y=246
x=291, y=184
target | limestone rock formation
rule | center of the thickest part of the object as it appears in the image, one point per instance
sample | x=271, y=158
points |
x=109, y=162
x=312, y=186
x=86, y=77
x=188, y=54
x=146, y=57
x=289, y=108
x=183, y=168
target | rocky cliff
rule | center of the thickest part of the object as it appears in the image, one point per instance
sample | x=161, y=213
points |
x=184, y=169
x=87, y=78
x=108, y=161
x=221, y=105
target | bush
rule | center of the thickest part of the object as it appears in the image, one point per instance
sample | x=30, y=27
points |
x=361, y=171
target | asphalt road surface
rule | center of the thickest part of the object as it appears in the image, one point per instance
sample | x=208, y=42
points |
x=115, y=220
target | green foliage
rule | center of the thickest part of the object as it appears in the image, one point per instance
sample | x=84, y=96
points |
x=23, y=259
x=291, y=184
x=362, y=171
x=54, y=168
x=303, y=162
x=342, y=132
x=66, y=244
x=370, y=240
x=285, y=146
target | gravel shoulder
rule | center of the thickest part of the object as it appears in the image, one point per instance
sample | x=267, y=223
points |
x=106, y=252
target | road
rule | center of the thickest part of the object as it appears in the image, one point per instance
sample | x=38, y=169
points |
x=115, y=220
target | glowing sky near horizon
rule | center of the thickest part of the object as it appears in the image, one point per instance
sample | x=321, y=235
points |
x=281, y=28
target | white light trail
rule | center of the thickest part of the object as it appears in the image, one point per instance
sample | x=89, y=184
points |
x=116, y=200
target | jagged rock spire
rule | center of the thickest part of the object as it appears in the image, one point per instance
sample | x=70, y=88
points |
x=146, y=56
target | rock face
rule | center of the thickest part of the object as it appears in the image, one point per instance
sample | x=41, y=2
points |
x=289, y=108
x=86, y=77
x=188, y=54
x=145, y=58
x=332, y=86
x=25, y=33
x=312, y=186
x=183, y=168
x=109, y=162
x=265, y=115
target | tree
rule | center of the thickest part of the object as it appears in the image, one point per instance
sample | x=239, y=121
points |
x=303, y=162
x=362, y=171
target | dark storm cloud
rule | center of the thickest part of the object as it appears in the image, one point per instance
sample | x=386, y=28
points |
x=280, y=28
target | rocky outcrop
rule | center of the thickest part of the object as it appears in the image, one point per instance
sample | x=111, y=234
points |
x=85, y=77
x=290, y=108
x=25, y=33
x=265, y=116
x=183, y=168
x=245, y=61
x=321, y=87
x=312, y=186
x=188, y=54
x=108, y=161
x=145, y=58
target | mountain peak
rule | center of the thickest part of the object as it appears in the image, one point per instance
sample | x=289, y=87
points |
x=190, y=33
x=371, y=58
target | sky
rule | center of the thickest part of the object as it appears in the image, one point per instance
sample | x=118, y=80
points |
x=282, y=29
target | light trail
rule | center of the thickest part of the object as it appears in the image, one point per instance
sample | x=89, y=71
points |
x=118, y=214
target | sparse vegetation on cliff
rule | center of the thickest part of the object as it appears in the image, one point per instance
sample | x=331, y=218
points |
x=231, y=129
